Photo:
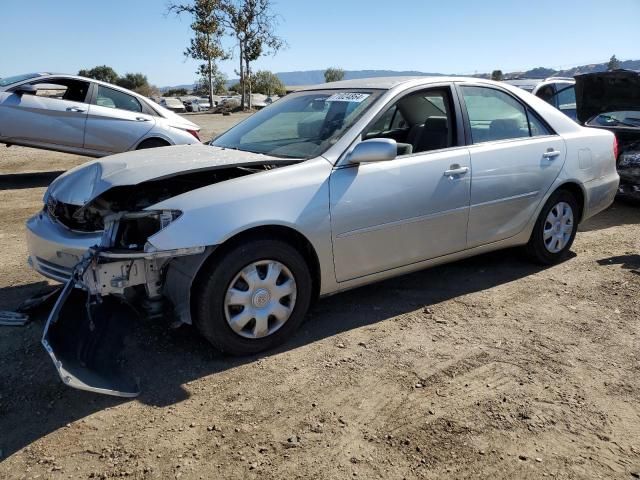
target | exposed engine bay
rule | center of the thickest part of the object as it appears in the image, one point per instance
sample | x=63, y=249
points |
x=134, y=198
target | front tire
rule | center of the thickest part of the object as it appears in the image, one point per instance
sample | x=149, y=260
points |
x=555, y=229
x=253, y=297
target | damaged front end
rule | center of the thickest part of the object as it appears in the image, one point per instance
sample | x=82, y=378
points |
x=116, y=281
x=96, y=234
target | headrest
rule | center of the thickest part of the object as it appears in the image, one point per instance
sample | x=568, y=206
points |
x=505, y=124
x=436, y=124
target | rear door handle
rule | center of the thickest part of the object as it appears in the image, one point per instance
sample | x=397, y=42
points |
x=551, y=153
x=143, y=119
x=75, y=109
x=455, y=170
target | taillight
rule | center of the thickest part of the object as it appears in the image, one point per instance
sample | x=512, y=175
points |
x=194, y=133
x=616, y=149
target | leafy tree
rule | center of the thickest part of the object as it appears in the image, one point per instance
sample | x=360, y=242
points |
x=253, y=25
x=138, y=83
x=219, y=81
x=102, y=73
x=175, y=92
x=267, y=83
x=148, y=90
x=613, y=64
x=497, y=75
x=332, y=74
x=206, y=42
x=132, y=81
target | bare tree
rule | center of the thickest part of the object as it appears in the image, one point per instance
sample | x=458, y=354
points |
x=253, y=25
x=208, y=31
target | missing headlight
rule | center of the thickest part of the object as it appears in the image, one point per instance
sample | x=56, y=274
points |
x=130, y=231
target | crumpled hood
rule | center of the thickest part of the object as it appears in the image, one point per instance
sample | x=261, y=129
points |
x=86, y=182
x=606, y=92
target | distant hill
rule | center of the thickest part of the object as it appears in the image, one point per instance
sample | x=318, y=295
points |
x=312, y=77
x=542, y=72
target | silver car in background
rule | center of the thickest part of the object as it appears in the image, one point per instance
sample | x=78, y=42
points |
x=328, y=189
x=80, y=115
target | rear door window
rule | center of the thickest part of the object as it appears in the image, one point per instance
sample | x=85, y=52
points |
x=495, y=115
x=110, y=98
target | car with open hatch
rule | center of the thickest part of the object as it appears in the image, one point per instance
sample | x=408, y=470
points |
x=327, y=189
x=611, y=101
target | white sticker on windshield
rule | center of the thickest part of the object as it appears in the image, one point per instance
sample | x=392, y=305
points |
x=348, y=97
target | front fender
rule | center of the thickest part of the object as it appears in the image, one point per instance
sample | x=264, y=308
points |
x=296, y=196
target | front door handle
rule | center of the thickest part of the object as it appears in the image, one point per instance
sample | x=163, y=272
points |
x=143, y=119
x=551, y=153
x=75, y=109
x=455, y=170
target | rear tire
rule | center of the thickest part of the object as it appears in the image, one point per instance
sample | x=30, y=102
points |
x=222, y=319
x=555, y=229
x=152, y=143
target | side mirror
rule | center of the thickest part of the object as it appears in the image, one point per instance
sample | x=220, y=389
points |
x=374, y=150
x=26, y=88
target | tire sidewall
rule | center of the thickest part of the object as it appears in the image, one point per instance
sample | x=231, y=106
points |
x=536, y=244
x=209, y=308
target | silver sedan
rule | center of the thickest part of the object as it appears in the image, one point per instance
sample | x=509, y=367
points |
x=327, y=189
x=84, y=116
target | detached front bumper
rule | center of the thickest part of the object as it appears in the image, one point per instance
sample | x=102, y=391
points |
x=84, y=338
x=106, y=288
x=84, y=334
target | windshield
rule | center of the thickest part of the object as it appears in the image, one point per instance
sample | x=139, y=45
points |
x=18, y=78
x=301, y=125
x=617, y=119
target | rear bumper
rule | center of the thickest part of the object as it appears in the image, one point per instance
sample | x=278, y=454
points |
x=600, y=193
x=54, y=249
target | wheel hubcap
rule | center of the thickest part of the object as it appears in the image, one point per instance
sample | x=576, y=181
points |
x=260, y=299
x=558, y=227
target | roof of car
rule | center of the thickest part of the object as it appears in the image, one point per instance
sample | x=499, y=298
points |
x=100, y=82
x=386, y=83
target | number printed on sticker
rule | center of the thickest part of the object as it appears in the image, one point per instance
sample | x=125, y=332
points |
x=348, y=97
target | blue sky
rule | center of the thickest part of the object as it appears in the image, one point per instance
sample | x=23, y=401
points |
x=454, y=36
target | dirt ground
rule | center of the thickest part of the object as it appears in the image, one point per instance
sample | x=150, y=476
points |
x=486, y=368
